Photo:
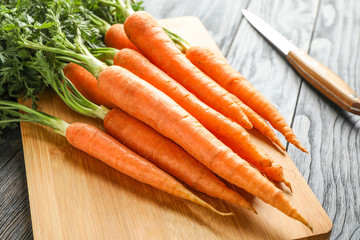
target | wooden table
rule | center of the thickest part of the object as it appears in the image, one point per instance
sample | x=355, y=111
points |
x=329, y=30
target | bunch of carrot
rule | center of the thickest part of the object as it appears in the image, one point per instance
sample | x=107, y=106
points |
x=192, y=111
x=211, y=127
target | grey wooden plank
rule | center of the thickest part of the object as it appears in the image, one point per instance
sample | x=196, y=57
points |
x=15, y=220
x=220, y=17
x=331, y=134
x=264, y=67
x=10, y=143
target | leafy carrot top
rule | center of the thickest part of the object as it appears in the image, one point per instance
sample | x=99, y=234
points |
x=53, y=23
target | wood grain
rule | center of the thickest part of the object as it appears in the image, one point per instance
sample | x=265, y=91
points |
x=264, y=67
x=74, y=196
x=15, y=220
x=333, y=135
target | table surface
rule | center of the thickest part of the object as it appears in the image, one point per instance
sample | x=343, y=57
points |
x=329, y=30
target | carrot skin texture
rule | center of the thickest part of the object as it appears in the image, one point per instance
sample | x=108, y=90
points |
x=86, y=83
x=148, y=104
x=168, y=156
x=228, y=131
x=149, y=37
x=115, y=37
x=100, y=145
x=219, y=70
x=259, y=123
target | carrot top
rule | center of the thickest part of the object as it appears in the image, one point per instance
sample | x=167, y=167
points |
x=76, y=53
x=121, y=11
x=50, y=35
x=36, y=21
x=9, y=113
x=55, y=77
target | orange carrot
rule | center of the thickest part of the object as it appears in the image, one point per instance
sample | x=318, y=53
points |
x=119, y=40
x=115, y=37
x=168, y=156
x=98, y=144
x=228, y=131
x=259, y=123
x=216, y=67
x=147, y=35
x=86, y=83
x=148, y=104
x=161, y=151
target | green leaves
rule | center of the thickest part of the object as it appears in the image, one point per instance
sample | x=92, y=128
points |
x=63, y=28
x=110, y=13
x=16, y=80
x=46, y=65
x=54, y=23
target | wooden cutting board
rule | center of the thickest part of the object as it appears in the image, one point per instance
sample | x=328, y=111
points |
x=74, y=196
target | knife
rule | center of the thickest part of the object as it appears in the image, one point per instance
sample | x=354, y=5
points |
x=317, y=74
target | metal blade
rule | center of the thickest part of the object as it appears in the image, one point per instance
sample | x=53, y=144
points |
x=278, y=40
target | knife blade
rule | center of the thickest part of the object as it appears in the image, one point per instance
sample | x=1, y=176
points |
x=315, y=73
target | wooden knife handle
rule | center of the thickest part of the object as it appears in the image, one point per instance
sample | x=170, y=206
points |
x=324, y=80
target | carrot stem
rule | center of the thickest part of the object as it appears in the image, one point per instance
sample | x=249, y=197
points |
x=92, y=64
x=58, y=125
x=180, y=43
x=125, y=9
x=104, y=53
x=100, y=23
x=65, y=89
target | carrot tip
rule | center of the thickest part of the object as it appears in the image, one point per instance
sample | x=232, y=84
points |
x=302, y=148
x=252, y=209
x=297, y=144
x=246, y=124
x=288, y=185
x=308, y=225
x=225, y=214
x=281, y=146
x=204, y=204
x=303, y=221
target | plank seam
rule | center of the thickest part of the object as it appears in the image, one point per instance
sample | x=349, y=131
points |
x=10, y=158
x=237, y=29
x=302, y=79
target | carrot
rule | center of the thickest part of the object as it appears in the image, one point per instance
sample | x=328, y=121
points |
x=168, y=156
x=119, y=40
x=228, y=131
x=259, y=123
x=71, y=96
x=161, y=151
x=100, y=145
x=86, y=83
x=148, y=104
x=146, y=34
x=115, y=37
x=216, y=67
